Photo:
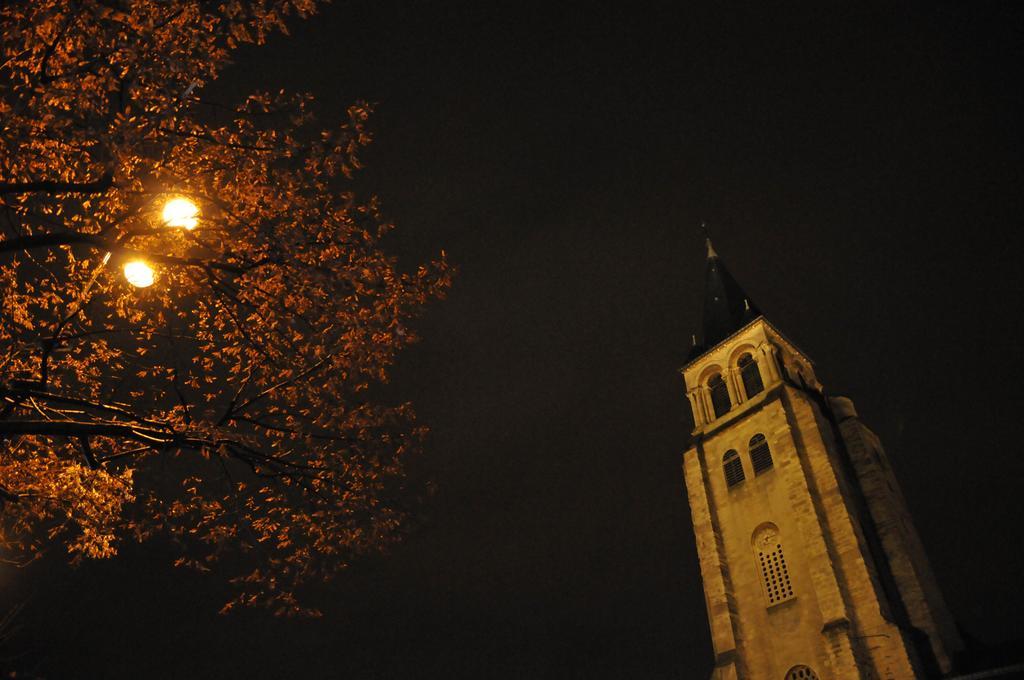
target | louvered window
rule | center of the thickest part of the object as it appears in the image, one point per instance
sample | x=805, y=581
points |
x=772, y=564
x=719, y=395
x=733, y=468
x=760, y=454
x=750, y=375
x=801, y=673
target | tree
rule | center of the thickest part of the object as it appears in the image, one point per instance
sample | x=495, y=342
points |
x=228, y=403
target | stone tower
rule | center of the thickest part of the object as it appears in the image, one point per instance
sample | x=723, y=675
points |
x=811, y=564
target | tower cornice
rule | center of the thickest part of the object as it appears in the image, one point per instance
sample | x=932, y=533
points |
x=790, y=345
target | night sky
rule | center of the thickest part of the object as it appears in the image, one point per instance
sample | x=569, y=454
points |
x=859, y=167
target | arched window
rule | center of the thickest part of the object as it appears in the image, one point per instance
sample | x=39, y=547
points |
x=760, y=455
x=772, y=563
x=801, y=673
x=733, y=468
x=751, y=376
x=719, y=395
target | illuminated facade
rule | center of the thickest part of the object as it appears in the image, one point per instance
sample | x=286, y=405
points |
x=811, y=564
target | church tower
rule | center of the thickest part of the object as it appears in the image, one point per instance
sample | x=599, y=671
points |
x=811, y=564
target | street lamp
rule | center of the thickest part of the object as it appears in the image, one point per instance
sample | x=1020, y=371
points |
x=138, y=273
x=178, y=213
x=181, y=212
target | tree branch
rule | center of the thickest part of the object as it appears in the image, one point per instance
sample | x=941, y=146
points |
x=72, y=238
x=153, y=438
x=72, y=428
x=44, y=241
x=214, y=140
x=114, y=409
x=97, y=187
x=90, y=458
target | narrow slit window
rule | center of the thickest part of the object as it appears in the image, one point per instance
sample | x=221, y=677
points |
x=719, y=395
x=760, y=454
x=750, y=375
x=733, y=468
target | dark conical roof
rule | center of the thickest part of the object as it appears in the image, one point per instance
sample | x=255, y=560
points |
x=726, y=307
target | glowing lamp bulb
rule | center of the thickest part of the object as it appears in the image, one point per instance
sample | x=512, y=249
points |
x=181, y=212
x=138, y=273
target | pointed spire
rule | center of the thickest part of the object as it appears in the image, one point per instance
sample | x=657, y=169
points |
x=711, y=249
x=726, y=307
x=707, y=240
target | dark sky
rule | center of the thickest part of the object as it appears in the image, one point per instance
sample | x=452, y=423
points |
x=859, y=165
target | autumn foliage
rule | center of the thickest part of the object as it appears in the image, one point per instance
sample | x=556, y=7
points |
x=226, y=405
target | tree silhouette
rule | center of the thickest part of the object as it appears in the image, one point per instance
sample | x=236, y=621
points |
x=227, y=403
